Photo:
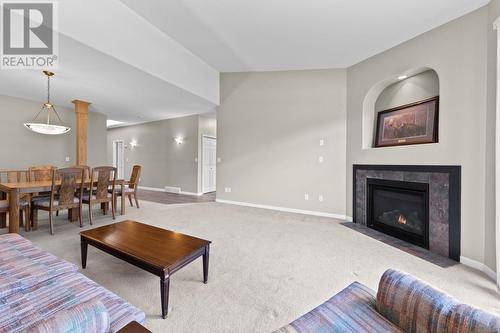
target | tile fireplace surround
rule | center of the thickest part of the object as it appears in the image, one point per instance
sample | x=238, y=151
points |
x=444, y=199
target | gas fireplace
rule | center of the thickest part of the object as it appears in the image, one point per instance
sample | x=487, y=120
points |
x=399, y=209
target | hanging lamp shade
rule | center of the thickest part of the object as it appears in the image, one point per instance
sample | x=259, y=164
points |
x=48, y=109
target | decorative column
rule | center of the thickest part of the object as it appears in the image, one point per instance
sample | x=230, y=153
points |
x=82, y=113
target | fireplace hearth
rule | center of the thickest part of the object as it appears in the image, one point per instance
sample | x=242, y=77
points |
x=418, y=204
x=399, y=209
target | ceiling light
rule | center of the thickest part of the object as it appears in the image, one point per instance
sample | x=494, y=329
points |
x=47, y=128
x=111, y=122
x=402, y=77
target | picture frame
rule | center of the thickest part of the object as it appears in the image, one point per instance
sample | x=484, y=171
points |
x=410, y=124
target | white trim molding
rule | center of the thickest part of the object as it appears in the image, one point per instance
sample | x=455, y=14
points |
x=151, y=189
x=479, y=266
x=168, y=189
x=496, y=26
x=288, y=210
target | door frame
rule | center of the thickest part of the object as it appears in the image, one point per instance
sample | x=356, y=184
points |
x=115, y=164
x=203, y=137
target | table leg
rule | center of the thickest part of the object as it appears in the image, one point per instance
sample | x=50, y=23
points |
x=84, y=246
x=73, y=214
x=205, y=264
x=122, y=186
x=14, y=211
x=164, y=288
x=3, y=216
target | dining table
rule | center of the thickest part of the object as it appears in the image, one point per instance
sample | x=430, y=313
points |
x=16, y=190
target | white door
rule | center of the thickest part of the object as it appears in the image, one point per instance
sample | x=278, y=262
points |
x=209, y=159
x=118, y=158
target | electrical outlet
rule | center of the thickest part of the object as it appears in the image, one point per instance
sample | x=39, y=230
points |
x=227, y=190
x=320, y=198
x=321, y=159
x=67, y=158
x=321, y=142
x=196, y=159
x=306, y=196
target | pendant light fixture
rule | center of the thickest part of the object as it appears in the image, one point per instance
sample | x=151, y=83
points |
x=47, y=128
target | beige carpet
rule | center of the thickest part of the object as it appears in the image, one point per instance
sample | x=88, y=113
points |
x=266, y=268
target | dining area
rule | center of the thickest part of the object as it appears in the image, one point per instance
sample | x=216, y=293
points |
x=24, y=194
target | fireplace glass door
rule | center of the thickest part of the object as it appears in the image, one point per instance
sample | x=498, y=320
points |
x=400, y=209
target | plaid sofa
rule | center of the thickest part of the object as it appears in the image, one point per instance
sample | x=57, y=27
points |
x=42, y=293
x=402, y=304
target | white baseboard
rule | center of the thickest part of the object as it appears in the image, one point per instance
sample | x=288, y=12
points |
x=288, y=210
x=151, y=189
x=479, y=266
x=190, y=193
x=169, y=189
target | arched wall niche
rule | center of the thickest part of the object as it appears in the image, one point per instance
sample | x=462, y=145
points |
x=421, y=83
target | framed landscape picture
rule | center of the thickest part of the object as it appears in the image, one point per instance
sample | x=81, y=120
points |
x=409, y=124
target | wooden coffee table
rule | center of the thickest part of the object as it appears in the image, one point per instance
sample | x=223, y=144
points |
x=158, y=251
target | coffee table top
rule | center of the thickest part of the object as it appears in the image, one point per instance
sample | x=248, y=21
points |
x=158, y=247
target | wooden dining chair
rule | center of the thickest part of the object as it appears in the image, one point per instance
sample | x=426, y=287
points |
x=86, y=169
x=67, y=195
x=41, y=173
x=16, y=176
x=104, y=179
x=131, y=187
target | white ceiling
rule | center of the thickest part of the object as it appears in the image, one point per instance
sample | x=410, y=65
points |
x=144, y=60
x=266, y=35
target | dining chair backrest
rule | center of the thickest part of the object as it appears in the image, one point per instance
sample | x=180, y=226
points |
x=134, y=177
x=71, y=183
x=13, y=176
x=86, y=170
x=105, y=176
x=41, y=172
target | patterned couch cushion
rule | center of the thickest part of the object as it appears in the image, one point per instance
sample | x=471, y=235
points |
x=25, y=309
x=88, y=317
x=35, y=285
x=351, y=310
x=23, y=265
x=417, y=307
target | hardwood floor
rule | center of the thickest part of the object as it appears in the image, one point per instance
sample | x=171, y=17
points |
x=173, y=198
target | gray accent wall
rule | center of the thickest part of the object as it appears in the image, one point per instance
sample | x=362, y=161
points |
x=458, y=52
x=164, y=162
x=269, y=125
x=22, y=148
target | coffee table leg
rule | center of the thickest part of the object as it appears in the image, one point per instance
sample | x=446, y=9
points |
x=84, y=246
x=164, y=287
x=205, y=264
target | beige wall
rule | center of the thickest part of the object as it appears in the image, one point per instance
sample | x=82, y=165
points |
x=269, y=126
x=489, y=231
x=457, y=51
x=22, y=148
x=416, y=88
x=163, y=161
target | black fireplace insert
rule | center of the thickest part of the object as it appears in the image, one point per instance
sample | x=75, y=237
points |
x=399, y=209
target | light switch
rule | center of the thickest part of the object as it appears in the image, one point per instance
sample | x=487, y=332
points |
x=218, y=159
x=321, y=159
x=67, y=158
x=196, y=159
x=306, y=196
x=227, y=190
x=321, y=142
x=320, y=198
